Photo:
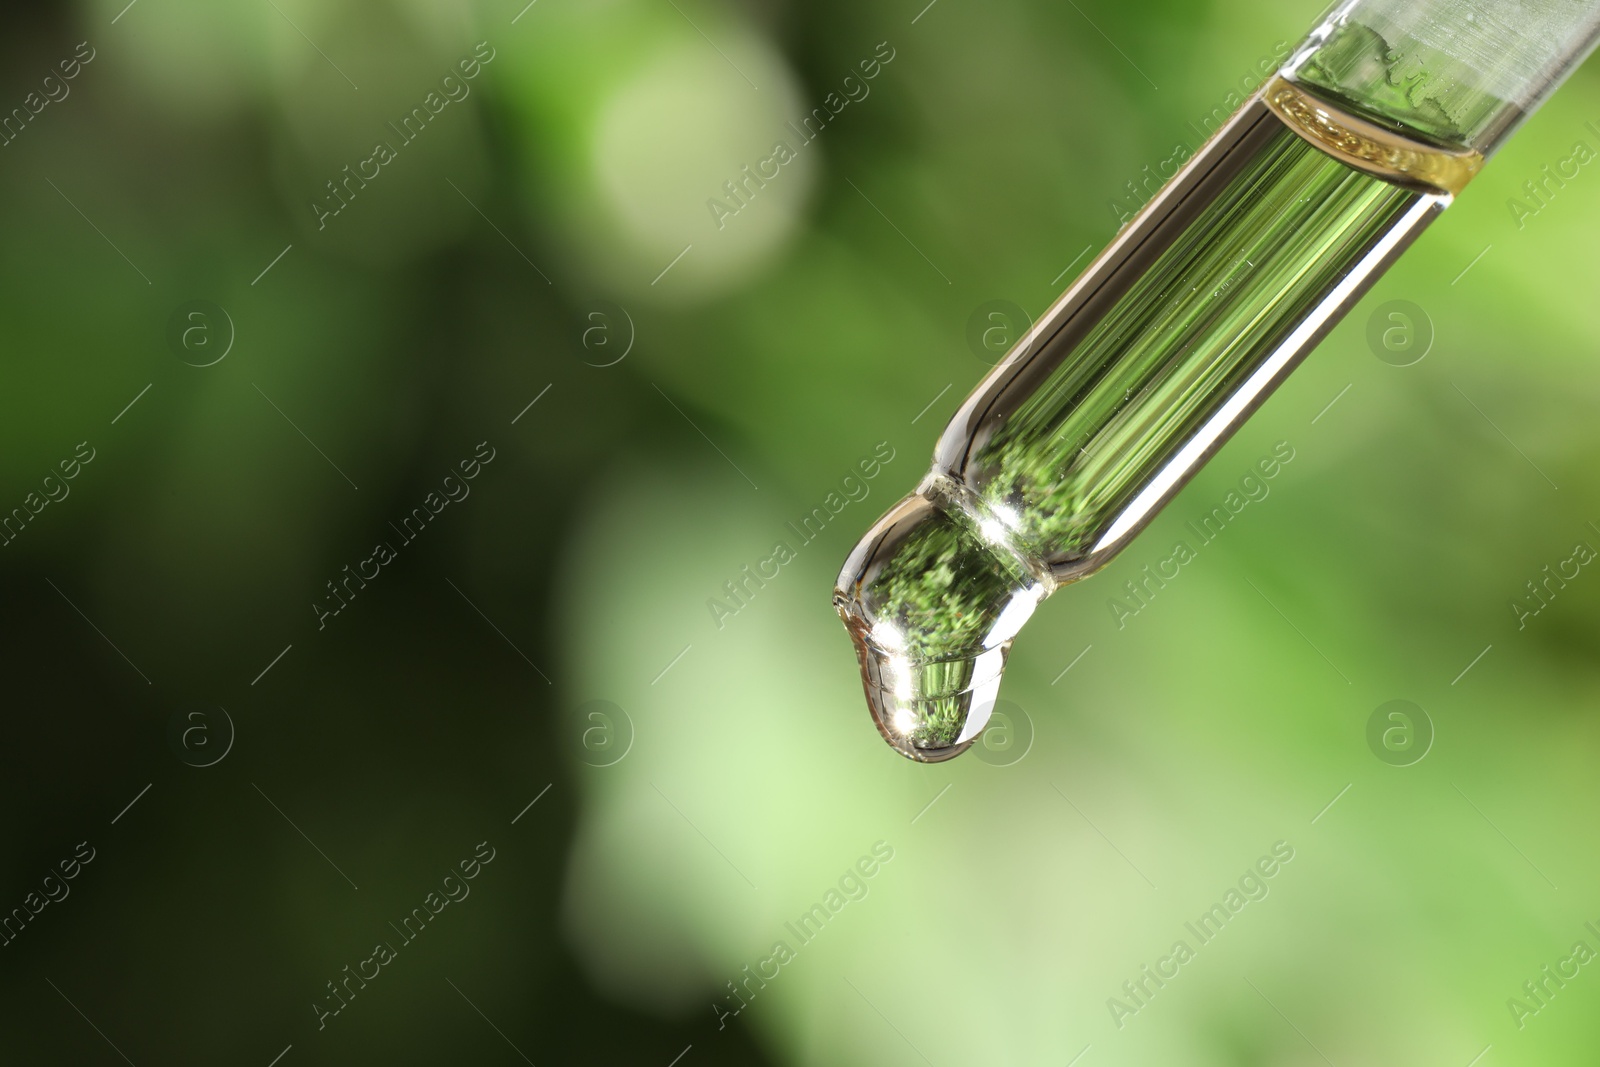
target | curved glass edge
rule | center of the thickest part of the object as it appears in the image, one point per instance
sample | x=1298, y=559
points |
x=1462, y=74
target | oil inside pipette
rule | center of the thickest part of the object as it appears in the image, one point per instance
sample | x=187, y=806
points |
x=1173, y=336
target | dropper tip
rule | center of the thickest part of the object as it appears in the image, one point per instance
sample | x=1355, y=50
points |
x=931, y=611
x=918, y=728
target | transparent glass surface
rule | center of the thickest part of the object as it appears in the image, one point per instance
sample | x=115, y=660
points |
x=1462, y=73
x=1112, y=397
x=1165, y=345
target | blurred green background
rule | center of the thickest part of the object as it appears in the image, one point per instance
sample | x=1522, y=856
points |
x=697, y=379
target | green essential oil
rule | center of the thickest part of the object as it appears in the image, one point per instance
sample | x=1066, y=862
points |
x=1136, y=376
